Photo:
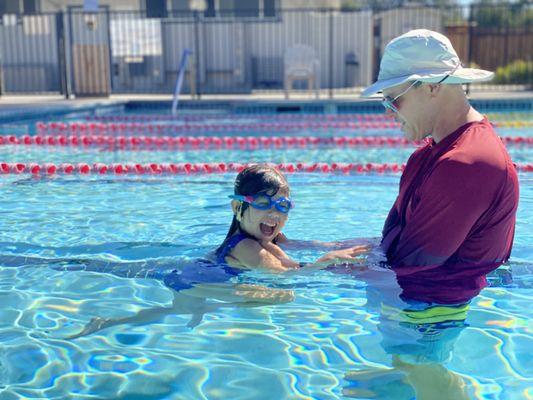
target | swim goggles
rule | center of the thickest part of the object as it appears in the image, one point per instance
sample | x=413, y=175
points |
x=265, y=202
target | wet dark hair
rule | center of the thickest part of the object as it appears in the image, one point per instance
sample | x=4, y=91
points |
x=253, y=180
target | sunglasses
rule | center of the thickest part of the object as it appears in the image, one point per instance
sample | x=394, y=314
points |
x=265, y=202
x=391, y=103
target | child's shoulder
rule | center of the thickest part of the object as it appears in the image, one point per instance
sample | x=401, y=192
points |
x=242, y=244
x=248, y=251
x=248, y=244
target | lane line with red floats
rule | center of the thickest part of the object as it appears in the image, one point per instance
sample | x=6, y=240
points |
x=152, y=128
x=199, y=168
x=214, y=142
x=133, y=128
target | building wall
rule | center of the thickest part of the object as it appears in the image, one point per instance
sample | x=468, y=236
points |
x=352, y=33
x=119, y=5
x=310, y=4
x=238, y=52
x=123, y=5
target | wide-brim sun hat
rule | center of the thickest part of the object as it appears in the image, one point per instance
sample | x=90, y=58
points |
x=426, y=56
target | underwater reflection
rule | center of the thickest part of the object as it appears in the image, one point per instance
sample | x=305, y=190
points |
x=418, y=334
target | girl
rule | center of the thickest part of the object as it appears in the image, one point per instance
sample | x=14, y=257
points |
x=261, y=203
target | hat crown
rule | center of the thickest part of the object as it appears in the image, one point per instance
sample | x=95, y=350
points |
x=417, y=51
x=425, y=56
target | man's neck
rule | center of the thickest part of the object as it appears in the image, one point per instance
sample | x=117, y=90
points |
x=455, y=113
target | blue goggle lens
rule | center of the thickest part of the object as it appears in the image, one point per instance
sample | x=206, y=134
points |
x=261, y=202
x=264, y=202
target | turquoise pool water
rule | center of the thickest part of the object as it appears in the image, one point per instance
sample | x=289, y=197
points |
x=315, y=329
x=28, y=154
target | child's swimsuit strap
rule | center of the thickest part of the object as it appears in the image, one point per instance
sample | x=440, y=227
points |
x=230, y=245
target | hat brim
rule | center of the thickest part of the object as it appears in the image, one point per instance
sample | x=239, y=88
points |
x=460, y=76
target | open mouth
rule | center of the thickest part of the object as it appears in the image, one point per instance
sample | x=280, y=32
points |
x=267, y=229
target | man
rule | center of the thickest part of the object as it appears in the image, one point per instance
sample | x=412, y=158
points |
x=453, y=220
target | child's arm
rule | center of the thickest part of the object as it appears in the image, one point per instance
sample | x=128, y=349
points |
x=252, y=254
x=350, y=256
x=298, y=244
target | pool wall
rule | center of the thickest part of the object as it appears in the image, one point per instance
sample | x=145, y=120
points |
x=33, y=111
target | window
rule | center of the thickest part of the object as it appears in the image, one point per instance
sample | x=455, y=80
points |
x=269, y=8
x=10, y=7
x=30, y=6
x=210, y=11
x=156, y=8
x=18, y=6
x=180, y=5
x=241, y=8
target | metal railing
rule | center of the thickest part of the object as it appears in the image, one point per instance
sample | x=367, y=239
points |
x=100, y=53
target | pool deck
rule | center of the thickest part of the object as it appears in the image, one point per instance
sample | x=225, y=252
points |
x=22, y=106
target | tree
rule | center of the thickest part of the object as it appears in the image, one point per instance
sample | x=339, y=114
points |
x=495, y=14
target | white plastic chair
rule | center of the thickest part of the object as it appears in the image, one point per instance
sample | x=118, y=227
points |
x=301, y=62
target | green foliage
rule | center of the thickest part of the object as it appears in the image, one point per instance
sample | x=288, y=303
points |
x=495, y=14
x=518, y=71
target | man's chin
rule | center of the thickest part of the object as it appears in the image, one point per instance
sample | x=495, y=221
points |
x=409, y=135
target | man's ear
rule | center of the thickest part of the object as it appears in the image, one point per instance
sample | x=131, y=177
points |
x=433, y=89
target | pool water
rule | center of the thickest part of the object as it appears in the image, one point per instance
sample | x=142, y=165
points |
x=323, y=154
x=303, y=340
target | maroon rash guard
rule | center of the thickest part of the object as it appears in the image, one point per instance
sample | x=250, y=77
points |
x=453, y=221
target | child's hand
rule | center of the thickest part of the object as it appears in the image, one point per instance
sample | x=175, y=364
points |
x=344, y=255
